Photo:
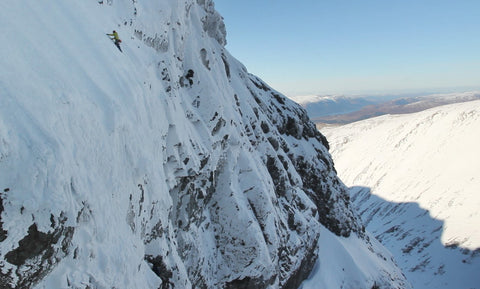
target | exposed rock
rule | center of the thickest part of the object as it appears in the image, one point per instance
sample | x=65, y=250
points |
x=36, y=255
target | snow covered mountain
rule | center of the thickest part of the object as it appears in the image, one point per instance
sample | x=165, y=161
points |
x=415, y=180
x=116, y=172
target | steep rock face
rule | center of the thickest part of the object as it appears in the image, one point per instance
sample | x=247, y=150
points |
x=119, y=171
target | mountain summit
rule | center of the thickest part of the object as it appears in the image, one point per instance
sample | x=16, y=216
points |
x=166, y=165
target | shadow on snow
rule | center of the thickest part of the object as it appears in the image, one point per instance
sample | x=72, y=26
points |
x=413, y=236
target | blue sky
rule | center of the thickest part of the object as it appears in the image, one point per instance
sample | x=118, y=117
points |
x=352, y=46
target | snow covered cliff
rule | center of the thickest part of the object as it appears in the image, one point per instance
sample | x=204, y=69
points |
x=116, y=172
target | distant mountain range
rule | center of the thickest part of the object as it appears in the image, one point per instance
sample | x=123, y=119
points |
x=338, y=109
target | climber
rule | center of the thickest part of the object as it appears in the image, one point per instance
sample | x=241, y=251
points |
x=115, y=38
x=189, y=76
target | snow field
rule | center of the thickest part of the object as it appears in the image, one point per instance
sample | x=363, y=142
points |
x=414, y=180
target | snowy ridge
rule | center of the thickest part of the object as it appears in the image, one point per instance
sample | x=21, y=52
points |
x=414, y=179
x=115, y=172
x=304, y=100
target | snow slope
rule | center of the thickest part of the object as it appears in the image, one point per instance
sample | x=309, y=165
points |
x=116, y=173
x=414, y=179
x=347, y=263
